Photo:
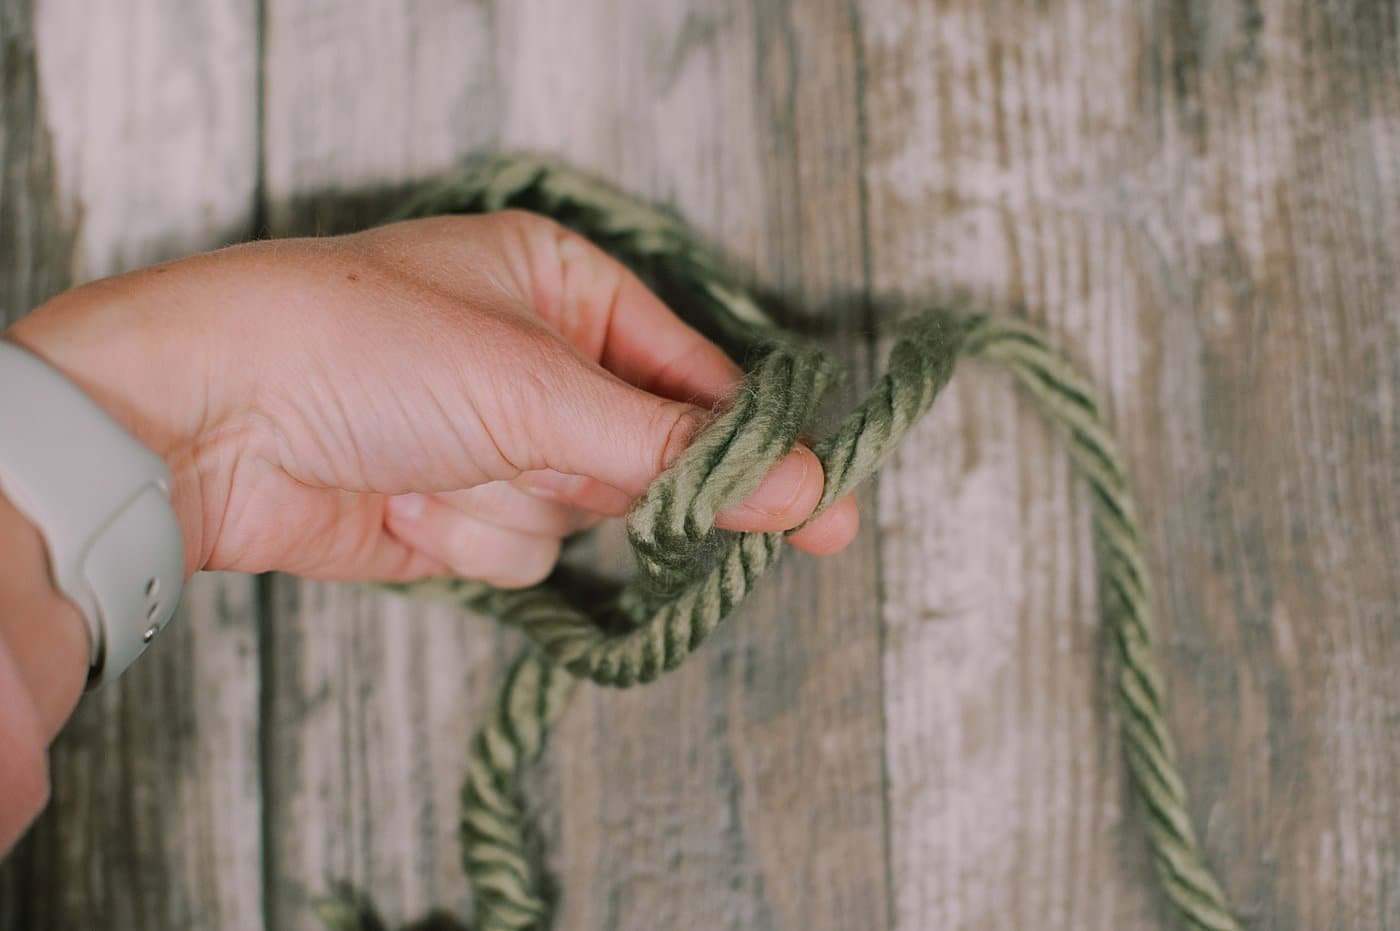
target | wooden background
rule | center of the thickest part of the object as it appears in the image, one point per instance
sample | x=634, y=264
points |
x=1201, y=199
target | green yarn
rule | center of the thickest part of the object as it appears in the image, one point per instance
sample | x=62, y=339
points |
x=690, y=575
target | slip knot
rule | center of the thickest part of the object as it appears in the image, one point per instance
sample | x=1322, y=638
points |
x=691, y=576
x=672, y=527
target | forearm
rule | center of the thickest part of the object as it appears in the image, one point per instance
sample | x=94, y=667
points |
x=43, y=666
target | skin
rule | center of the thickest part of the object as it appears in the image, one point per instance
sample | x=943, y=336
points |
x=450, y=395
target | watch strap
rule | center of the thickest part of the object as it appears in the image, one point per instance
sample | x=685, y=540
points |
x=100, y=500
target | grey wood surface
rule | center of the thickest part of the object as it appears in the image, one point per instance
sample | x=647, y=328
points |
x=130, y=136
x=1202, y=202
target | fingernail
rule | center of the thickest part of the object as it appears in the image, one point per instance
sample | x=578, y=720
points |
x=407, y=507
x=682, y=432
x=783, y=485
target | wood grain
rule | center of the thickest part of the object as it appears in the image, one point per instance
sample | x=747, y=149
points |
x=35, y=243
x=129, y=136
x=687, y=817
x=370, y=700
x=36, y=238
x=742, y=790
x=1201, y=202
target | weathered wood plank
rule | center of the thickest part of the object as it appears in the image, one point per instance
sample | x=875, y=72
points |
x=370, y=700
x=130, y=136
x=1202, y=202
x=36, y=238
x=154, y=821
x=743, y=790
x=705, y=815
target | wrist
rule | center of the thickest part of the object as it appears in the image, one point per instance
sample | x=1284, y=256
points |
x=126, y=343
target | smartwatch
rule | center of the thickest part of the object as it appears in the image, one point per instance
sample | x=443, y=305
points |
x=100, y=500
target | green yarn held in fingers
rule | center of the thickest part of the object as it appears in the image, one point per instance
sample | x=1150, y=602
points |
x=691, y=576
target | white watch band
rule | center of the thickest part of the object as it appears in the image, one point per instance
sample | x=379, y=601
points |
x=100, y=500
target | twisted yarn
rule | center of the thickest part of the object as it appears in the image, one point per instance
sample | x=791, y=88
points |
x=690, y=575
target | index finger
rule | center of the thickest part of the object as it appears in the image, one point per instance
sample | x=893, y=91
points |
x=604, y=309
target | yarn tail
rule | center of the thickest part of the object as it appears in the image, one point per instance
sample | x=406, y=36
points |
x=1067, y=401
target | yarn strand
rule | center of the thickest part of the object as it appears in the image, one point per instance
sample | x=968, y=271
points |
x=691, y=575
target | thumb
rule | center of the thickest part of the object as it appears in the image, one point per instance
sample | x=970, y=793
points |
x=595, y=425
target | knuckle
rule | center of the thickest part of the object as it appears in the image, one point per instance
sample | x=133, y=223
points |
x=525, y=221
x=544, y=378
x=544, y=236
x=571, y=284
x=526, y=239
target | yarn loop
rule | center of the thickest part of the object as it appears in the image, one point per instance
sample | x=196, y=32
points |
x=691, y=575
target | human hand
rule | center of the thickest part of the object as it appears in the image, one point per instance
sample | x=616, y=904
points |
x=449, y=395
